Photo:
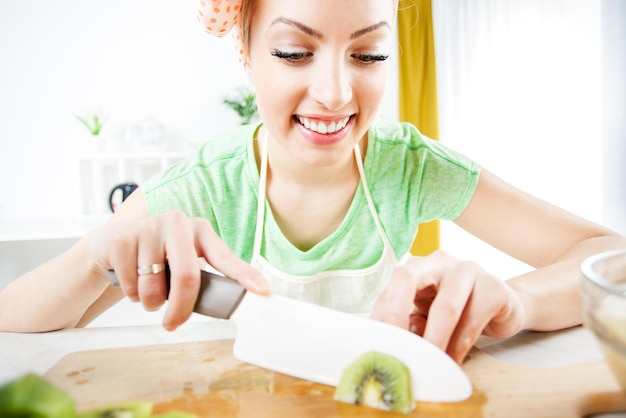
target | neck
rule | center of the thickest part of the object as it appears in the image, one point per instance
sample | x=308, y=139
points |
x=281, y=164
x=308, y=201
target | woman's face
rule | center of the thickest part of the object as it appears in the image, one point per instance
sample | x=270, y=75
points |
x=320, y=72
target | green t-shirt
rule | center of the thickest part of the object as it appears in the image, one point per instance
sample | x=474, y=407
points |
x=412, y=179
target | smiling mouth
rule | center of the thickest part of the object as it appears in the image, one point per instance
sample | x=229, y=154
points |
x=323, y=127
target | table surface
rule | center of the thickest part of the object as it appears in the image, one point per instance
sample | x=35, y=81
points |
x=12, y=230
x=21, y=353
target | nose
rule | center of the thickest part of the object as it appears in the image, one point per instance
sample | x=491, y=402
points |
x=332, y=84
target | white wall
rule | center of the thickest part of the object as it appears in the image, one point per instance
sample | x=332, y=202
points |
x=520, y=85
x=144, y=58
x=139, y=58
x=131, y=59
x=134, y=59
x=614, y=113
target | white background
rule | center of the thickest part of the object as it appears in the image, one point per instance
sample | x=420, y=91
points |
x=523, y=90
x=535, y=91
x=130, y=59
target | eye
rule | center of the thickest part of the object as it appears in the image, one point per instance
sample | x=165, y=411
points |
x=291, y=57
x=370, y=58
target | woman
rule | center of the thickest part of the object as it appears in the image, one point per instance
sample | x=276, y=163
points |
x=319, y=202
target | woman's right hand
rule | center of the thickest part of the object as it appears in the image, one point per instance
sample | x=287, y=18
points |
x=450, y=303
x=175, y=239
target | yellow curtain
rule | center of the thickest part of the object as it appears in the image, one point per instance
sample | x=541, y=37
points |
x=418, y=89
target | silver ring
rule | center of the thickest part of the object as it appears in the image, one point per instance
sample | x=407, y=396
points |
x=152, y=269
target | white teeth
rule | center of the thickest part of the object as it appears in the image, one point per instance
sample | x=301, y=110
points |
x=324, y=128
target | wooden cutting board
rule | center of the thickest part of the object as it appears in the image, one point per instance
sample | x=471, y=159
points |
x=204, y=378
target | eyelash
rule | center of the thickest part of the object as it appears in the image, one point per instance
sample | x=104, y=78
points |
x=293, y=57
x=370, y=58
x=298, y=57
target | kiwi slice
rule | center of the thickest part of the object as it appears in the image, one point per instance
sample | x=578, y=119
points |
x=377, y=380
x=136, y=409
x=33, y=396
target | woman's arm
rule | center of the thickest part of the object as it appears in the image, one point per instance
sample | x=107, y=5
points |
x=60, y=292
x=543, y=236
x=452, y=302
x=71, y=289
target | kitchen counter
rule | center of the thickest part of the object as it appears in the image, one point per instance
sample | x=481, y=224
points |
x=20, y=353
x=527, y=357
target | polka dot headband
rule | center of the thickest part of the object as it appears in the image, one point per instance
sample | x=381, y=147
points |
x=219, y=17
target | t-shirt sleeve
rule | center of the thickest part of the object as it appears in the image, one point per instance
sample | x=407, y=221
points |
x=428, y=180
x=446, y=182
x=180, y=187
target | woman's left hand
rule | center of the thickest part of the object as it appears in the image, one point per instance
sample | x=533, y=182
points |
x=450, y=303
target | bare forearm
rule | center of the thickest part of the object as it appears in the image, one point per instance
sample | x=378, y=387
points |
x=551, y=295
x=53, y=296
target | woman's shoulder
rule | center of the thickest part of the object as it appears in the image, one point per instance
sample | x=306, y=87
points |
x=226, y=146
x=224, y=154
x=395, y=139
x=404, y=134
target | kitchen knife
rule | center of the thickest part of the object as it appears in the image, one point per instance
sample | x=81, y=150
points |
x=316, y=343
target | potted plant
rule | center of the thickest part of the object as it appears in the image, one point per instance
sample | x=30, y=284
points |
x=244, y=104
x=94, y=143
x=93, y=124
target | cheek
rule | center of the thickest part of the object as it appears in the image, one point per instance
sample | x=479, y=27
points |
x=373, y=87
x=278, y=93
x=262, y=84
x=272, y=105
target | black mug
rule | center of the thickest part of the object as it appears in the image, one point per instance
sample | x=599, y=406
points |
x=119, y=193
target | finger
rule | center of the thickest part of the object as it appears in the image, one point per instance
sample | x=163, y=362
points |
x=469, y=328
x=223, y=259
x=448, y=305
x=122, y=250
x=152, y=288
x=395, y=304
x=182, y=257
x=424, y=298
x=417, y=323
x=495, y=307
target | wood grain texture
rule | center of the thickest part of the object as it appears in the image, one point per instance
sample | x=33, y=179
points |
x=204, y=378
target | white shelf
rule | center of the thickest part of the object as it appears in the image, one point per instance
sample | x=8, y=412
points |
x=99, y=173
x=12, y=230
x=134, y=156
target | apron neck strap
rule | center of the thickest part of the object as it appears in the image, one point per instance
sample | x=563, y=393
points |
x=260, y=212
x=261, y=199
x=370, y=202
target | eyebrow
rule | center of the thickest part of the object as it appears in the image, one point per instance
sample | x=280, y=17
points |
x=315, y=34
x=369, y=29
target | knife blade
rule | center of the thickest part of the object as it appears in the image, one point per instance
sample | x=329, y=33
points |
x=316, y=343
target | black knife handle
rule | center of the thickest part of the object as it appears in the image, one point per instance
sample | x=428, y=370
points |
x=218, y=297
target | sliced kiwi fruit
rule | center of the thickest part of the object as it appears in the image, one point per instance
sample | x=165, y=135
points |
x=377, y=380
x=33, y=396
x=137, y=409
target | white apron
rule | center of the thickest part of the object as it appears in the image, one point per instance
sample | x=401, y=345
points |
x=352, y=291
